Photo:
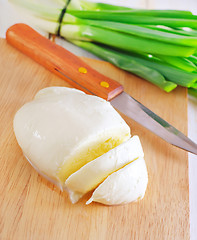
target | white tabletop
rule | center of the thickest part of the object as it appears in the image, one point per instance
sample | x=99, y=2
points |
x=8, y=16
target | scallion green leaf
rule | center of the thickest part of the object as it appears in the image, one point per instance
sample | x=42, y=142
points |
x=182, y=63
x=132, y=18
x=143, y=31
x=123, y=41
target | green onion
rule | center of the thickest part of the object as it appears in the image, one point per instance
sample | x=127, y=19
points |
x=86, y=5
x=132, y=18
x=193, y=59
x=188, y=31
x=91, y=14
x=52, y=14
x=178, y=76
x=147, y=17
x=161, y=28
x=38, y=9
x=123, y=41
x=182, y=63
x=142, y=31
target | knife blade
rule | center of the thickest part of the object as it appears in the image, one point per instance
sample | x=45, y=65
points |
x=80, y=75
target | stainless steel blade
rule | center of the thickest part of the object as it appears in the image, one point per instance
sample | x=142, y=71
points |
x=141, y=114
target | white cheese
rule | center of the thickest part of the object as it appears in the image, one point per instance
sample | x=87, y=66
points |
x=93, y=173
x=62, y=129
x=123, y=186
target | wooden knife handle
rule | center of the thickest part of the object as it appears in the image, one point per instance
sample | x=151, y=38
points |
x=62, y=62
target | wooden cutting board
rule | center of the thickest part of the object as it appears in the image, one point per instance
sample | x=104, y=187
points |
x=33, y=208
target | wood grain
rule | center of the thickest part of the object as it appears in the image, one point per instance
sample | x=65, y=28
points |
x=32, y=208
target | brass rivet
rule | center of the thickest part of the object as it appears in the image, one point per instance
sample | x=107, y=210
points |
x=83, y=70
x=104, y=84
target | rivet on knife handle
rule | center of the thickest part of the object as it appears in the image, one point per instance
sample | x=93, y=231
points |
x=62, y=62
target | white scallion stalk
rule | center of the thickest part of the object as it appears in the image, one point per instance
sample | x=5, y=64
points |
x=72, y=32
x=45, y=25
x=70, y=19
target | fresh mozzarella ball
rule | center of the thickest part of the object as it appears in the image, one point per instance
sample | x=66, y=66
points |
x=62, y=129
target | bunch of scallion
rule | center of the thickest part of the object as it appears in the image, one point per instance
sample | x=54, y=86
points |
x=157, y=45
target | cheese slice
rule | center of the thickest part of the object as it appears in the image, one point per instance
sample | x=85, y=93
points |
x=123, y=186
x=62, y=129
x=93, y=173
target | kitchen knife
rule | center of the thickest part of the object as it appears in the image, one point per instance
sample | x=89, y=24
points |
x=80, y=75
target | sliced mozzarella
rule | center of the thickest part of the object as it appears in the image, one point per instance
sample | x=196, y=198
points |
x=93, y=173
x=123, y=186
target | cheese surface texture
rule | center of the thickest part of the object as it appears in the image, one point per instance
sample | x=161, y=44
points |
x=62, y=129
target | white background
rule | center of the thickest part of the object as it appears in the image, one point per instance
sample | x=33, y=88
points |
x=8, y=16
